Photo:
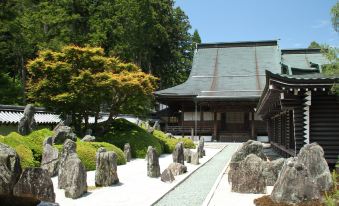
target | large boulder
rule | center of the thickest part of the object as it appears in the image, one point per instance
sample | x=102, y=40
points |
x=177, y=168
x=10, y=169
x=272, y=169
x=72, y=173
x=36, y=184
x=249, y=176
x=167, y=176
x=127, y=152
x=303, y=178
x=247, y=148
x=88, y=138
x=62, y=133
x=153, y=167
x=27, y=123
x=50, y=157
x=295, y=184
x=178, y=153
x=106, y=168
x=312, y=157
x=200, y=148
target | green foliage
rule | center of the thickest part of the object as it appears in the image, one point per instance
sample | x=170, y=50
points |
x=335, y=16
x=121, y=132
x=87, y=153
x=78, y=80
x=11, y=92
x=314, y=45
x=333, y=196
x=29, y=148
x=169, y=143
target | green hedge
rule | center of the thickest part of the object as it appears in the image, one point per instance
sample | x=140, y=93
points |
x=123, y=131
x=30, y=149
x=169, y=143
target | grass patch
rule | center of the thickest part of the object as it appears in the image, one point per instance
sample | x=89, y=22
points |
x=122, y=131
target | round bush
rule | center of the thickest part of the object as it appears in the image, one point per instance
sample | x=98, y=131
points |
x=123, y=131
x=169, y=143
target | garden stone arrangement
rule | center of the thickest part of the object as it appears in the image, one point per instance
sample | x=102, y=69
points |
x=153, y=167
x=27, y=123
x=200, y=149
x=106, y=168
x=167, y=176
x=30, y=187
x=50, y=157
x=177, y=168
x=303, y=178
x=72, y=173
x=61, y=133
x=188, y=155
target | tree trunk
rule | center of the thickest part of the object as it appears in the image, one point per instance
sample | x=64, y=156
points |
x=23, y=77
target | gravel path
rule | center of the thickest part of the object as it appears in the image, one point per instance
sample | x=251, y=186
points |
x=195, y=188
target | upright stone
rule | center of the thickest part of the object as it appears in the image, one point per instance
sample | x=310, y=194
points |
x=188, y=155
x=153, y=167
x=35, y=184
x=72, y=173
x=88, y=138
x=249, y=177
x=106, y=168
x=195, y=158
x=295, y=184
x=50, y=157
x=201, y=147
x=27, y=123
x=178, y=153
x=127, y=152
x=312, y=157
x=167, y=176
x=10, y=169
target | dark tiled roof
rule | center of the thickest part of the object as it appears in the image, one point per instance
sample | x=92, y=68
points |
x=303, y=58
x=229, y=70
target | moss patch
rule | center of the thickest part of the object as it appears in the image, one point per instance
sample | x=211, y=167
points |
x=267, y=201
x=169, y=143
x=122, y=131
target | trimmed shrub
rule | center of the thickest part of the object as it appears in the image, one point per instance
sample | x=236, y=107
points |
x=122, y=131
x=169, y=143
x=29, y=148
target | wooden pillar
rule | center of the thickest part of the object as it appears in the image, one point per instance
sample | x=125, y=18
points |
x=201, y=122
x=215, y=125
x=253, y=129
x=182, y=120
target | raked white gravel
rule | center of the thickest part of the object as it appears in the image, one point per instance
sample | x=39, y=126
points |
x=135, y=188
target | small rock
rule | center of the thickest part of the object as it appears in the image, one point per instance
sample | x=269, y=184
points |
x=50, y=157
x=35, y=183
x=177, y=168
x=188, y=155
x=106, y=168
x=27, y=123
x=72, y=173
x=63, y=133
x=153, y=167
x=178, y=153
x=167, y=176
x=88, y=138
x=249, y=176
x=127, y=152
x=10, y=169
x=42, y=203
x=195, y=158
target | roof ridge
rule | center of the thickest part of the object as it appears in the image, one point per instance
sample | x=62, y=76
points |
x=238, y=44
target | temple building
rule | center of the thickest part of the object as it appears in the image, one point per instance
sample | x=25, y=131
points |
x=225, y=84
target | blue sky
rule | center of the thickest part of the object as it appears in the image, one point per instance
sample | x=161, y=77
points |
x=295, y=22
